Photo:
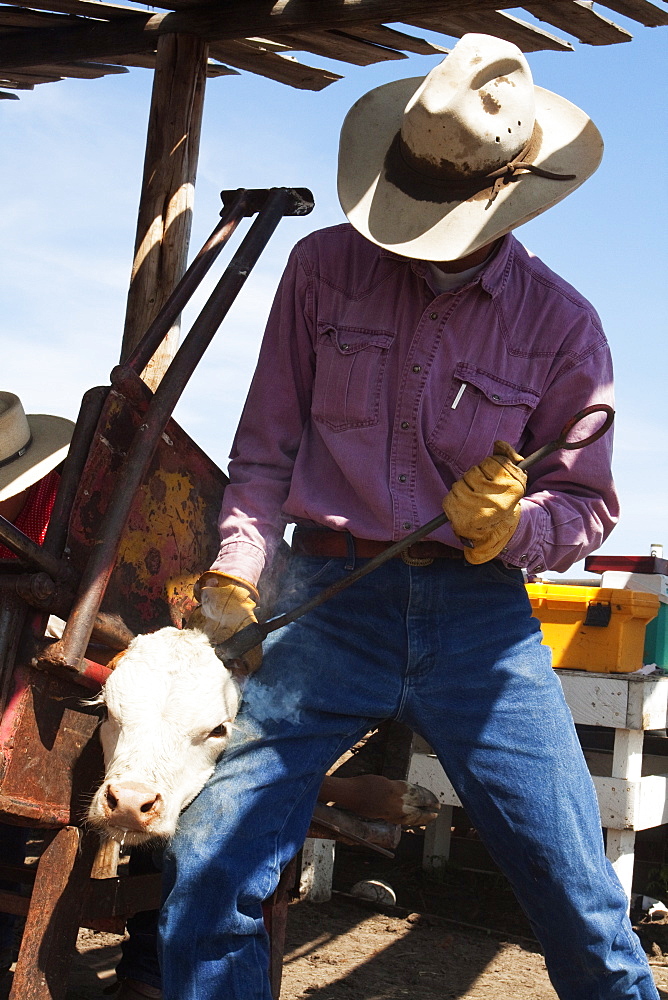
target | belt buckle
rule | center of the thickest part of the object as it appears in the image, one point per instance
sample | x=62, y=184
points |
x=414, y=560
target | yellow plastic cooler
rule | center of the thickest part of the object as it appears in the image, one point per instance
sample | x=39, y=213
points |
x=593, y=628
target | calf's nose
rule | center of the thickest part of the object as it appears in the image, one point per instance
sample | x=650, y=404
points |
x=131, y=805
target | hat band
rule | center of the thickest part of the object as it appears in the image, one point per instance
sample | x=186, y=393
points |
x=18, y=454
x=428, y=186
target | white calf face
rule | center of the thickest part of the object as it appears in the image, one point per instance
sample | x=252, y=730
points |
x=170, y=706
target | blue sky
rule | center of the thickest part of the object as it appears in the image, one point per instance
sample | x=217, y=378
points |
x=70, y=175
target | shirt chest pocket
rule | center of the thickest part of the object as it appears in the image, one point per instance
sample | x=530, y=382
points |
x=479, y=408
x=349, y=372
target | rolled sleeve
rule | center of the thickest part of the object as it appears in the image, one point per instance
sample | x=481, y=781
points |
x=277, y=407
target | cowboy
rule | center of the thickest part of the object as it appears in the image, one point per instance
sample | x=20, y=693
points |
x=32, y=447
x=407, y=355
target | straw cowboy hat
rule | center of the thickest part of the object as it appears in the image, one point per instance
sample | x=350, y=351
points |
x=435, y=167
x=30, y=446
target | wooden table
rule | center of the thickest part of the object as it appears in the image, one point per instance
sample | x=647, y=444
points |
x=631, y=787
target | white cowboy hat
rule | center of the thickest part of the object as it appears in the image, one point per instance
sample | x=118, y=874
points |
x=30, y=446
x=436, y=167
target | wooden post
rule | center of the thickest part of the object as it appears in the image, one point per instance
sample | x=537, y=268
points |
x=54, y=916
x=168, y=186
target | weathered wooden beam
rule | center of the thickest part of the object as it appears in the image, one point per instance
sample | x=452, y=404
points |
x=264, y=62
x=228, y=19
x=580, y=20
x=168, y=189
x=86, y=8
x=146, y=60
x=382, y=35
x=341, y=46
x=17, y=17
x=79, y=70
x=15, y=85
x=527, y=37
x=54, y=915
x=17, y=79
x=639, y=10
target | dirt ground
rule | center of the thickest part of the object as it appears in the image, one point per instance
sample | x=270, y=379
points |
x=460, y=935
x=341, y=950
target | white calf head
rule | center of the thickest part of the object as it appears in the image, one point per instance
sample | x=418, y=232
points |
x=170, y=706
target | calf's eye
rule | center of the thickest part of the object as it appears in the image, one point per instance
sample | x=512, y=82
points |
x=219, y=731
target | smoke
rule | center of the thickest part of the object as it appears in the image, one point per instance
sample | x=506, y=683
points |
x=271, y=703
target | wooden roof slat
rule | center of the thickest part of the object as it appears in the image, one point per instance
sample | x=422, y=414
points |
x=82, y=70
x=54, y=74
x=643, y=11
x=4, y=96
x=390, y=37
x=13, y=77
x=268, y=43
x=337, y=45
x=228, y=19
x=216, y=69
x=639, y=10
x=139, y=60
x=85, y=8
x=580, y=20
x=19, y=17
x=250, y=34
x=283, y=69
x=528, y=37
x=147, y=61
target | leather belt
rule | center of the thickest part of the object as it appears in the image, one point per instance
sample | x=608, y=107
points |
x=339, y=543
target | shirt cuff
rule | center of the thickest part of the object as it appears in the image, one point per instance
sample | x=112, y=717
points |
x=241, y=559
x=526, y=548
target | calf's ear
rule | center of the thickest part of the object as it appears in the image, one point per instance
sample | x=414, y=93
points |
x=115, y=660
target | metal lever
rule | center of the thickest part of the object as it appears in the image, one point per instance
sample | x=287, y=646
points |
x=252, y=635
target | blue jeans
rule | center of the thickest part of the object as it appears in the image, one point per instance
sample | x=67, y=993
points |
x=452, y=651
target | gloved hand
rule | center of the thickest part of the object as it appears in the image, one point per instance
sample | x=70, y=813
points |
x=483, y=505
x=227, y=604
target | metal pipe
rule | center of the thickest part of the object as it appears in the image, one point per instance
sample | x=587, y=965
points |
x=89, y=414
x=103, y=555
x=29, y=552
x=175, y=304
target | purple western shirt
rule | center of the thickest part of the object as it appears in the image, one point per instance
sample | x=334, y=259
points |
x=373, y=393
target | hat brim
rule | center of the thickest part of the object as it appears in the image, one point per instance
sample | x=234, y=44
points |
x=51, y=438
x=569, y=143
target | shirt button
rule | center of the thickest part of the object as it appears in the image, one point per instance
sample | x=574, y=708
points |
x=344, y=347
x=407, y=525
x=433, y=315
x=402, y=478
x=405, y=425
x=524, y=557
x=494, y=396
x=417, y=368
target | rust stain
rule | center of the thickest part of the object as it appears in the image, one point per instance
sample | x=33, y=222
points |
x=489, y=103
x=153, y=561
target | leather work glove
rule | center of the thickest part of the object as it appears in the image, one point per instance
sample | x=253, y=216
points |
x=484, y=505
x=227, y=604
